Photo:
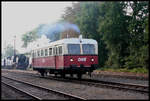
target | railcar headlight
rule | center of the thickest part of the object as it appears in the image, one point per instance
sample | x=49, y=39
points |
x=92, y=59
x=71, y=59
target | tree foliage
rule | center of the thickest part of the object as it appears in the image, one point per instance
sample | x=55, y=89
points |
x=138, y=46
x=9, y=51
x=29, y=37
x=121, y=29
x=85, y=15
x=114, y=32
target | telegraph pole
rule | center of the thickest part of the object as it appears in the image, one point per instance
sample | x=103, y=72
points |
x=5, y=47
x=14, y=59
x=14, y=45
x=4, y=53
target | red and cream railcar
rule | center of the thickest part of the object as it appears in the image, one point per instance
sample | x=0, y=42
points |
x=66, y=56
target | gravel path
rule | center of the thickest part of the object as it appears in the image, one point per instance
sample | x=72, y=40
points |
x=88, y=92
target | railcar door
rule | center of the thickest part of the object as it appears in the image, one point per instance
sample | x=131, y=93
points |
x=58, y=57
x=54, y=54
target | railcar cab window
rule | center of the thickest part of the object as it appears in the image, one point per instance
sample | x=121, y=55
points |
x=73, y=48
x=88, y=49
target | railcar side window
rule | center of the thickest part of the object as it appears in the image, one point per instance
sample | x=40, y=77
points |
x=35, y=54
x=73, y=49
x=60, y=50
x=41, y=52
x=45, y=52
x=50, y=51
x=38, y=53
x=88, y=49
x=32, y=54
x=54, y=51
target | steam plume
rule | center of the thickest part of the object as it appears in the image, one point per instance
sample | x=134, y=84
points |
x=53, y=31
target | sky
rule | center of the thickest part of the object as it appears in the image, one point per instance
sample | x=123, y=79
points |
x=21, y=17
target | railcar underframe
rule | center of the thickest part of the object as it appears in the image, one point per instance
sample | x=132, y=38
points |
x=68, y=70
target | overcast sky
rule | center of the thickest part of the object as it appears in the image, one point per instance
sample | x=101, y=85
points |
x=21, y=17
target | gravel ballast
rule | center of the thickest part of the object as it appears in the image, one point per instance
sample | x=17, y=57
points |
x=88, y=92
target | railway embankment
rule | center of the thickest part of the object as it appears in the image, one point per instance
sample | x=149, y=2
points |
x=130, y=75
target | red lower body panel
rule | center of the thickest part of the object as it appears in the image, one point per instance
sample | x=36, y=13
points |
x=60, y=62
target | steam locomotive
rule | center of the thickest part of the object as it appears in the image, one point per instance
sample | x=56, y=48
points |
x=19, y=61
x=66, y=56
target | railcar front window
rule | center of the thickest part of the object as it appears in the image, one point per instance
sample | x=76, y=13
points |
x=88, y=49
x=73, y=49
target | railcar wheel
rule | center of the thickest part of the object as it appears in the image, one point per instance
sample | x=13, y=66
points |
x=79, y=76
x=71, y=75
x=63, y=75
x=42, y=73
x=55, y=74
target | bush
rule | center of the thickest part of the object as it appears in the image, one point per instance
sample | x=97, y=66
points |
x=134, y=70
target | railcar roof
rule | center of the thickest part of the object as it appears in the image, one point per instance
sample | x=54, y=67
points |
x=75, y=40
x=70, y=41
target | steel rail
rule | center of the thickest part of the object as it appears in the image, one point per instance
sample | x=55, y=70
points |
x=31, y=95
x=127, y=86
x=48, y=89
x=98, y=83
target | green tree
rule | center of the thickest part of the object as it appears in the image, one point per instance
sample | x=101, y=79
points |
x=85, y=15
x=70, y=14
x=29, y=37
x=87, y=20
x=138, y=35
x=113, y=27
x=145, y=48
x=122, y=33
x=10, y=51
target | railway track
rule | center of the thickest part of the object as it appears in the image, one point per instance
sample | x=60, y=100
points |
x=107, y=84
x=38, y=90
x=21, y=91
x=117, y=85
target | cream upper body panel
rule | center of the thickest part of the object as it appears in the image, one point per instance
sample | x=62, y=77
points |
x=65, y=42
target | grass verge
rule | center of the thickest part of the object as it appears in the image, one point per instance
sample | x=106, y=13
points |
x=134, y=70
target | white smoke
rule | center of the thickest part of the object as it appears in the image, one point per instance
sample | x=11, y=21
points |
x=39, y=43
x=53, y=31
